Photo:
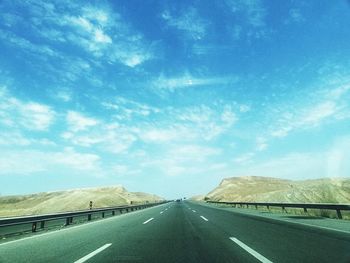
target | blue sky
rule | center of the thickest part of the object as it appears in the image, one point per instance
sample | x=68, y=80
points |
x=170, y=97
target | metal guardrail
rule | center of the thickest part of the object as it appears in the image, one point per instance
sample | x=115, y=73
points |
x=68, y=216
x=336, y=207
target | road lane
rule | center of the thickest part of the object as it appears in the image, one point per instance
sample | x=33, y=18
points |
x=181, y=235
x=71, y=244
x=177, y=236
x=279, y=241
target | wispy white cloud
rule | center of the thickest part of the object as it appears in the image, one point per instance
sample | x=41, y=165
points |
x=331, y=162
x=64, y=95
x=163, y=83
x=253, y=10
x=126, y=109
x=295, y=16
x=26, y=162
x=291, y=166
x=78, y=122
x=200, y=48
x=188, y=22
x=29, y=115
x=97, y=29
x=193, y=153
x=87, y=132
x=201, y=123
x=104, y=34
x=244, y=158
x=13, y=138
x=160, y=135
x=327, y=104
x=27, y=46
x=336, y=93
x=250, y=17
x=180, y=160
x=209, y=122
x=306, y=118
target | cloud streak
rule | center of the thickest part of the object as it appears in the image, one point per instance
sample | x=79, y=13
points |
x=172, y=84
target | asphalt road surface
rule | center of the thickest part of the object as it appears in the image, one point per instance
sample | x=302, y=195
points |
x=182, y=232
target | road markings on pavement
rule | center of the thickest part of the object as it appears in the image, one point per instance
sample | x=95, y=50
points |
x=251, y=251
x=204, y=218
x=194, y=211
x=88, y=256
x=75, y=227
x=162, y=212
x=148, y=220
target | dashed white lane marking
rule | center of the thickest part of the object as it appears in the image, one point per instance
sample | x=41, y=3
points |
x=204, y=218
x=93, y=253
x=251, y=251
x=149, y=220
x=162, y=212
x=83, y=225
x=194, y=211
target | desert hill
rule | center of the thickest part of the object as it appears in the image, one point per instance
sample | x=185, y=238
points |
x=268, y=189
x=70, y=200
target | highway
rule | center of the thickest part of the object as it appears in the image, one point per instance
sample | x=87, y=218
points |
x=182, y=232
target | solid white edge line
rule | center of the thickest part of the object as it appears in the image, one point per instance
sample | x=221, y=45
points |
x=251, y=251
x=93, y=253
x=204, y=218
x=148, y=220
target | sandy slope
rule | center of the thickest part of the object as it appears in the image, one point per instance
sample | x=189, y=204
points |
x=71, y=200
x=267, y=189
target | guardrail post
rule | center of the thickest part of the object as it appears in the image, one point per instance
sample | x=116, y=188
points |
x=268, y=207
x=284, y=209
x=339, y=214
x=103, y=214
x=113, y=213
x=89, y=217
x=67, y=221
x=42, y=224
x=34, y=227
x=256, y=206
x=127, y=210
x=305, y=210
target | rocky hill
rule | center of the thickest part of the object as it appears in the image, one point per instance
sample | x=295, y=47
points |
x=267, y=189
x=71, y=200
